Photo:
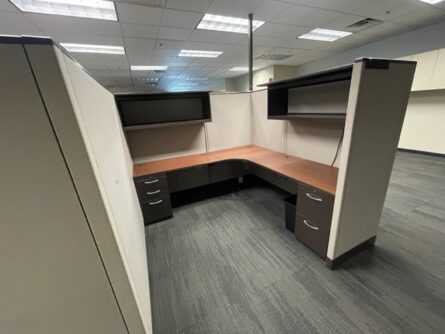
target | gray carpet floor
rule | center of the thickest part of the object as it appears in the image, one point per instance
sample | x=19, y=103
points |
x=227, y=265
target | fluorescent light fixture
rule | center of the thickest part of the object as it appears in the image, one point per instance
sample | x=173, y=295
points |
x=196, y=79
x=199, y=54
x=325, y=35
x=241, y=69
x=88, y=48
x=431, y=2
x=227, y=23
x=148, y=68
x=93, y=9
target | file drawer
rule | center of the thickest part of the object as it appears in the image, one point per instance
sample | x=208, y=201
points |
x=150, y=183
x=156, y=210
x=315, y=205
x=313, y=235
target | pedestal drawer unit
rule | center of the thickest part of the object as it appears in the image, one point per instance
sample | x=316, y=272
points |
x=154, y=197
x=313, y=222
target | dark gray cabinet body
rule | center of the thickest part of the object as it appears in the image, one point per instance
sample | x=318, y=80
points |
x=154, y=197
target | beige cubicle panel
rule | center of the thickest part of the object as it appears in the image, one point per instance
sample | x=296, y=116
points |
x=84, y=117
x=377, y=103
x=54, y=278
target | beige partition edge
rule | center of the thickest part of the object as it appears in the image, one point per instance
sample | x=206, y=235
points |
x=99, y=178
x=376, y=108
x=52, y=278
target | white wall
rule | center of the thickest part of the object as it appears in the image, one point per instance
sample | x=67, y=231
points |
x=424, y=125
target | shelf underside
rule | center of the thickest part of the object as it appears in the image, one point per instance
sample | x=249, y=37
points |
x=165, y=124
x=307, y=115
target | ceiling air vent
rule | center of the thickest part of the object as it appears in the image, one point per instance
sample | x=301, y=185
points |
x=363, y=24
x=272, y=57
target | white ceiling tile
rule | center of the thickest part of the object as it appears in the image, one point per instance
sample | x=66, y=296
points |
x=385, y=29
x=306, y=16
x=269, y=9
x=189, y=5
x=161, y=61
x=166, y=53
x=180, y=19
x=66, y=37
x=7, y=6
x=18, y=21
x=140, y=60
x=138, y=14
x=206, y=46
x=88, y=59
x=343, y=22
x=169, y=44
x=358, y=39
x=421, y=16
x=143, y=43
x=139, y=30
x=280, y=30
x=141, y=52
x=75, y=24
x=235, y=8
x=336, y=5
x=19, y=32
x=377, y=7
x=215, y=36
x=174, y=33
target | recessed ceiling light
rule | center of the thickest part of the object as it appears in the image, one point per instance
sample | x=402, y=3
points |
x=94, y=9
x=325, y=35
x=87, y=48
x=227, y=23
x=431, y=2
x=241, y=69
x=200, y=54
x=148, y=68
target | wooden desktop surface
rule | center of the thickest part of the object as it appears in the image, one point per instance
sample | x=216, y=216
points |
x=309, y=172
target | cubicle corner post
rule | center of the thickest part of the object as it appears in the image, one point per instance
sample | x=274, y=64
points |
x=377, y=104
x=54, y=80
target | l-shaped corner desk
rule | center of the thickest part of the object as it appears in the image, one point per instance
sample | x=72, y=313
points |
x=314, y=184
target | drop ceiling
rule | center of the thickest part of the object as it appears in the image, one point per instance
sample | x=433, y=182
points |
x=154, y=31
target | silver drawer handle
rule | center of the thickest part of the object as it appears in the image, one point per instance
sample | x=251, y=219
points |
x=155, y=203
x=153, y=192
x=315, y=198
x=310, y=225
x=150, y=182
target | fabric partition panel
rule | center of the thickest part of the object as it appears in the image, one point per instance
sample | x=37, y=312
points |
x=166, y=142
x=266, y=133
x=315, y=139
x=85, y=119
x=97, y=115
x=231, y=124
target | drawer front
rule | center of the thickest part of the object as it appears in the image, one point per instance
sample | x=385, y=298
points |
x=315, y=205
x=188, y=178
x=155, y=210
x=276, y=179
x=313, y=235
x=150, y=183
x=222, y=171
x=153, y=194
